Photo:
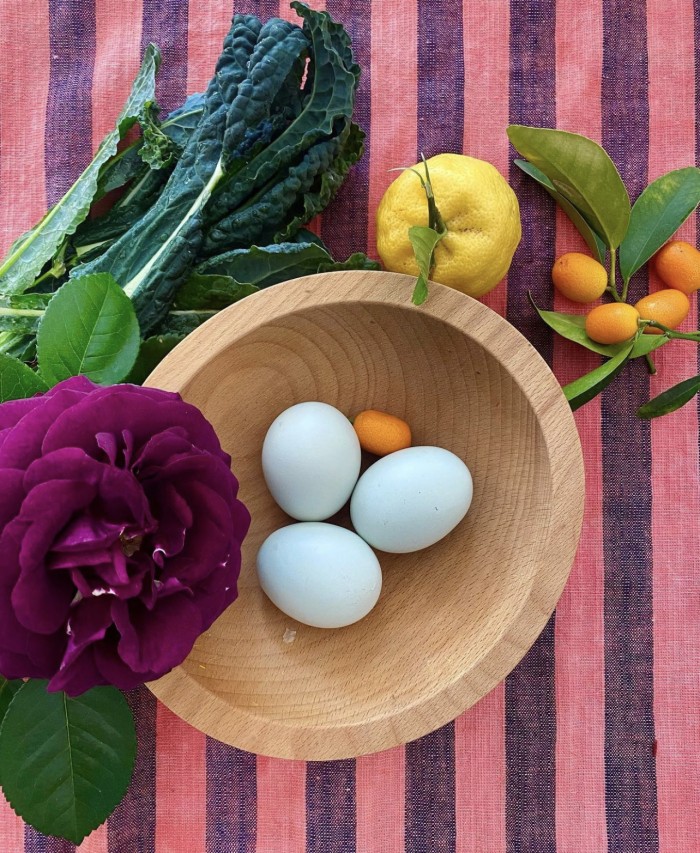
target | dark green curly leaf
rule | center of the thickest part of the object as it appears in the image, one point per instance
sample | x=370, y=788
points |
x=593, y=241
x=152, y=351
x=657, y=214
x=582, y=172
x=671, y=399
x=66, y=763
x=18, y=381
x=587, y=387
x=26, y=260
x=211, y=292
x=89, y=328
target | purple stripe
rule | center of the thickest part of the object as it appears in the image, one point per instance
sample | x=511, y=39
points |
x=330, y=806
x=231, y=799
x=529, y=692
x=430, y=793
x=35, y=842
x=345, y=227
x=629, y=643
x=440, y=77
x=430, y=761
x=165, y=24
x=68, y=136
x=133, y=824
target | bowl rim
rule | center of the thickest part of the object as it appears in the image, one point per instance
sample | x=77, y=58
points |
x=203, y=708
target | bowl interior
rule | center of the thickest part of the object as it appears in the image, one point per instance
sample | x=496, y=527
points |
x=441, y=610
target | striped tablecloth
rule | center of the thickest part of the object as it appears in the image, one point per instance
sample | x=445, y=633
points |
x=593, y=742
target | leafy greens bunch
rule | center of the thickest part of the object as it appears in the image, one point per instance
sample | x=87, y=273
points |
x=213, y=198
x=584, y=182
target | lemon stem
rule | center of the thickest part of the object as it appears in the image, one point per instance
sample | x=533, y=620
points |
x=680, y=336
x=650, y=363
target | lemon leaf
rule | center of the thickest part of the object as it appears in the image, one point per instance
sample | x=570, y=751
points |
x=573, y=328
x=658, y=212
x=593, y=241
x=671, y=399
x=582, y=172
x=587, y=387
x=424, y=240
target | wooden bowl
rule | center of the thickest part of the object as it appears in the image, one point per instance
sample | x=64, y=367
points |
x=453, y=620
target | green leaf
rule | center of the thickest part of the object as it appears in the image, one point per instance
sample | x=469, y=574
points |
x=18, y=381
x=211, y=292
x=26, y=260
x=424, y=240
x=593, y=241
x=7, y=693
x=89, y=328
x=263, y=266
x=585, y=388
x=66, y=763
x=671, y=399
x=582, y=172
x=153, y=350
x=573, y=328
x=657, y=214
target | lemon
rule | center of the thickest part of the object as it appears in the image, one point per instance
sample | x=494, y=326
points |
x=480, y=212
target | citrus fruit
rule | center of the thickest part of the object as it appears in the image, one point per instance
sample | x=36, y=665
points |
x=669, y=307
x=612, y=323
x=380, y=433
x=480, y=212
x=677, y=264
x=579, y=277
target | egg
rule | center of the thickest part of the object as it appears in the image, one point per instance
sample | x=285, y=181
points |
x=319, y=574
x=411, y=499
x=311, y=460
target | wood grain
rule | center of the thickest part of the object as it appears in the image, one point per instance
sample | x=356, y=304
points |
x=453, y=620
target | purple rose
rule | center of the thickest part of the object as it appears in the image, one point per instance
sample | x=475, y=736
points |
x=120, y=534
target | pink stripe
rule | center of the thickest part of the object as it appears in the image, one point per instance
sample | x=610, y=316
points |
x=181, y=785
x=675, y=486
x=579, y=661
x=117, y=59
x=393, y=99
x=208, y=23
x=96, y=842
x=11, y=828
x=486, y=95
x=22, y=177
x=281, y=787
x=480, y=784
x=380, y=793
x=23, y=118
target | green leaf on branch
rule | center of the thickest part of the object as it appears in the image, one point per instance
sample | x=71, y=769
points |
x=89, y=328
x=424, y=240
x=587, y=387
x=66, y=763
x=657, y=214
x=27, y=257
x=573, y=328
x=18, y=381
x=582, y=172
x=7, y=693
x=593, y=241
x=153, y=350
x=671, y=399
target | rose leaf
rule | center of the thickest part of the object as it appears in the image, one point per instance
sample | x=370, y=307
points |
x=66, y=763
